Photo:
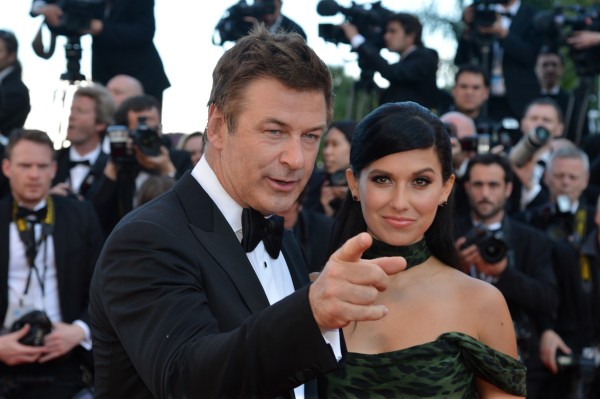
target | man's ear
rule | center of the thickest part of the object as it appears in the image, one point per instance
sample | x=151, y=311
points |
x=216, y=127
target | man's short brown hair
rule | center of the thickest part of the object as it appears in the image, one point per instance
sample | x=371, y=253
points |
x=37, y=136
x=282, y=56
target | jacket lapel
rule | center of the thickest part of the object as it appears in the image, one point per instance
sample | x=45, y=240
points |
x=214, y=233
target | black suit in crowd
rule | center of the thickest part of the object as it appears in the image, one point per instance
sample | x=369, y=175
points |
x=290, y=26
x=577, y=320
x=529, y=286
x=413, y=78
x=125, y=46
x=113, y=199
x=14, y=102
x=77, y=240
x=518, y=63
x=178, y=311
x=313, y=230
x=91, y=184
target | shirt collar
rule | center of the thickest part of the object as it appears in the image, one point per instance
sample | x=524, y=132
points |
x=91, y=156
x=208, y=180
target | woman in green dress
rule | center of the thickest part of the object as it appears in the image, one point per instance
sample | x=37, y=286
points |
x=446, y=335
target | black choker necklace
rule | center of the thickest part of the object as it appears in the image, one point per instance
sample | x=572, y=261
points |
x=415, y=254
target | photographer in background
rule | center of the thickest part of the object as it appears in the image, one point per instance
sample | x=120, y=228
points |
x=51, y=244
x=514, y=257
x=327, y=188
x=500, y=37
x=528, y=166
x=568, y=219
x=277, y=20
x=122, y=42
x=413, y=78
x=124, y=176
x=14, y=95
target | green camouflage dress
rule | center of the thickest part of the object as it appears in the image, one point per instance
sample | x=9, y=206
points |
x=445, y=368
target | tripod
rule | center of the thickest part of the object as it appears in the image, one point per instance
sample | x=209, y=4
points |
x=70, y=81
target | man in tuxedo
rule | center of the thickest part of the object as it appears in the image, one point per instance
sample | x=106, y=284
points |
x=192, y=296
x=81, y=165
x=413, y=78
x=523, y=272
x=549, y=68
x=122, y=42
x=14, y=95
x=507, y=48
x=51, y=244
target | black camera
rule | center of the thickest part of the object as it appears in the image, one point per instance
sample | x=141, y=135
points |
x=232, y=26
x=523, y=151
x=370, y=22
x=485, y=12
x=491, y=247
x=77, y=15
x=39, y=326
x=555, y=25
x=143, y=136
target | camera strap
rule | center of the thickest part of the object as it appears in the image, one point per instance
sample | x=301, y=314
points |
x=584, y=262
x=26, y=229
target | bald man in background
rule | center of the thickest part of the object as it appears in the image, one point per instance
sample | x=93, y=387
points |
x=124, y=86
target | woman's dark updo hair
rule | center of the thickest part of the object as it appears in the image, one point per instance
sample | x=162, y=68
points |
x=389, y=129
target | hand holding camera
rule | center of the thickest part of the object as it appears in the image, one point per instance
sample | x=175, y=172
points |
x=13, y=352
x=483, y=249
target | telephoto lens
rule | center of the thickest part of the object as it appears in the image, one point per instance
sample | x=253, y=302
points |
x=528, y=145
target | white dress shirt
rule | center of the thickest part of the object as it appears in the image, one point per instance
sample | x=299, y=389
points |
x=36, y=298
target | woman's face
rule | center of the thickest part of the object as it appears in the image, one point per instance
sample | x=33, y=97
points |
x=400, y=194
x=336, y=152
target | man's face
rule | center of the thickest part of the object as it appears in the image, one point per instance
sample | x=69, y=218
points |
x=549, y=70
x=487, y=192
x=542, y=115
x=6, y=58
x=396, y=38
x=82, y=122
x=566, y=176
x=152, y=118
x=266, y=162
x=470, y=93
x=30, y=170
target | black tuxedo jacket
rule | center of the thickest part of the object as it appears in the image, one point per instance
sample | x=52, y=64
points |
x=77, y=240
x=413, y=78
x=14, y=103
x=521, y=47
x=125, y=46
x=177, y=310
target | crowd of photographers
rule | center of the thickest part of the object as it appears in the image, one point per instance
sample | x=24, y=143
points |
x=525, y=155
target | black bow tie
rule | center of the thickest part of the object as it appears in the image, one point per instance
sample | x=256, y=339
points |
x=256, y=228
x=72, y=164
x=31, y=215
